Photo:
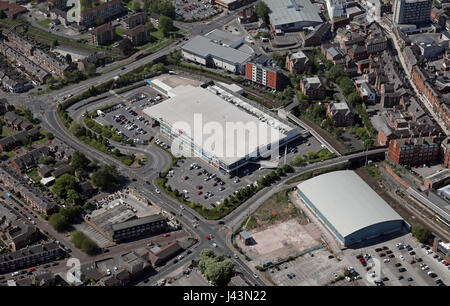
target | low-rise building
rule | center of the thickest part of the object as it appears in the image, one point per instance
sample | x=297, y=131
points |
x=365, y=91
x=298, y=62
x=437, y=180
x=10, y=142
x=248, y=15
x=317, y=36
x=159, y=255
x=246, y=238
x=313, y=88
x=11, y=9
x=28, y=160
x=20, y=234
x=340, y=113
x=134, y=228
x=16, y=122
x=28, y=257
x=218, y=49
x=441, y=248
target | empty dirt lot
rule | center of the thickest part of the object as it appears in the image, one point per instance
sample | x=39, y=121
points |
x=281, y=241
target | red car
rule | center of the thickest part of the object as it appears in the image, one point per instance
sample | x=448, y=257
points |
x=31, y=270
x=199, y=192
x=166, y=235
x=25, y=208
x=207, y=237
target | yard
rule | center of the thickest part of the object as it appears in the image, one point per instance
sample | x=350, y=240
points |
x=44, y=23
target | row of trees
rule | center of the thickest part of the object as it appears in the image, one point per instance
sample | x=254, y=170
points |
x=337, y=75
x=61, y=220
x=313, y=157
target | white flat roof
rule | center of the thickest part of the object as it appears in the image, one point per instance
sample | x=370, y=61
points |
x=346, y=201
x=193, y=107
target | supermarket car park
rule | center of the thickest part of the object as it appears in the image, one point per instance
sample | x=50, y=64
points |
x=127, y=118
x=204, y=184
x=195, y=9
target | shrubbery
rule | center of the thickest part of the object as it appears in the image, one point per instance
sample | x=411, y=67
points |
x=83, y=242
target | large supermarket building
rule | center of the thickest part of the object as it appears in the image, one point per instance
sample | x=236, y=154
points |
x=189, y=107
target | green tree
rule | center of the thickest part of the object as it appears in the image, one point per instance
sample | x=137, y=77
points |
x=2, y=14
x=79, y=161
x=136, y=5
x=90, y=69
x=76, y=129
x=46, y=160
x=83, y=242
x=422, y=233
x=368, y=143
x=68, y=58
x=149, y=25
x=126, y=46
x=63, y=184
x=54, y=43
x=165, y=24
x=105, y=177
x=50, y=82
x=58, y=222
x=73, y=197
x=336, y=72
x=354, y=99
x=262, y=10
x=28, y=114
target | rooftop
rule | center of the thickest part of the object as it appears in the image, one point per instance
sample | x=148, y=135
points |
x=187, y=103
x=204, y=47
x=137, y=222
x=439, y=176
x=226, y=38
x=349, y=204
x=292, y=11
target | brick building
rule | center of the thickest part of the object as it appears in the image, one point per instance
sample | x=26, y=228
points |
x=414, y=151
x=313, y=87
x=340, y=113
x=263, y=71
x=298, y=62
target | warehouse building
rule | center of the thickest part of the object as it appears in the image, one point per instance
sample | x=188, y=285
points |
x=218, y=49
x=189, y=110
x=292, y=15
x=349, y=207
